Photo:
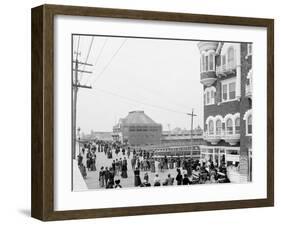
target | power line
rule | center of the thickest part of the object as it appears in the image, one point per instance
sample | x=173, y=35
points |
x=109, y=62
x=75, y=86
x=159, y=94
x=98, y=57
x=86, y=61
x=140, y=102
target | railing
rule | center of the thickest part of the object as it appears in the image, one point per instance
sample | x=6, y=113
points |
x=228, y=136
x=213, y=138
x=225, y=68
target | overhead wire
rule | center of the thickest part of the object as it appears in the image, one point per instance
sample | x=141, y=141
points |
x=97, y=60
x=87, y=57
x=109, y=62
x=140, y=102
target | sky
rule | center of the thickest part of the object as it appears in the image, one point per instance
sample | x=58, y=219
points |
x=160, y=77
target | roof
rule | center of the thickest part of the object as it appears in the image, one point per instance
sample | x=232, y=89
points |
x=138, y=117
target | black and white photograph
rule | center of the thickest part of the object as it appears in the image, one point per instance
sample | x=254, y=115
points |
x=150, y=112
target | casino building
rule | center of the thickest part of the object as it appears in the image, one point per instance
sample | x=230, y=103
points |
x=226, y=76
x=137, y=129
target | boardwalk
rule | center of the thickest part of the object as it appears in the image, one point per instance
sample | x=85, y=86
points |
x=92, y=177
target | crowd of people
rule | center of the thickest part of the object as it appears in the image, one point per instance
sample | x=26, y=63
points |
x=186, y=170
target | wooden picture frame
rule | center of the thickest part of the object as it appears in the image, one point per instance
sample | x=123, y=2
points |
x=42, y=203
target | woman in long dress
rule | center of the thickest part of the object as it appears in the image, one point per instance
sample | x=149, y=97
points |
x=157, y=167
x=179, y=177
x=101, y=177
x=152, y=166
x=124, y=169
x=137, y=177
x=93, y=165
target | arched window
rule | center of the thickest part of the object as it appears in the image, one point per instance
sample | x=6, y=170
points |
x=218, y=127
x=249, y=124
x=230, y=57
x=237, y=125
x=211, y=127
x=229, y=126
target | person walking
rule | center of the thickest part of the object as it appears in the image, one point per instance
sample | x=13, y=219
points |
x=93, y=163
x=137, y=177
x=101, y=177
x=110, y=183
x=114, y=167
x=106, y=176
x=179, y=177
x=124, y=168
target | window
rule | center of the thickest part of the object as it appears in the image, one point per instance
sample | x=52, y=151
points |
x=205, y=99
x=249, y=125
x=249, y=49
x=230, y=57
x=224, y=92
x=229, y=126
x=208, y=97
x=223, y=60
x=218, y=127
x=228, y=90
x=211, y=61
x=206, y=63
x=211, y=127
x=237, y=125
x=212, y=95
x=232, y=90
x=202, y=63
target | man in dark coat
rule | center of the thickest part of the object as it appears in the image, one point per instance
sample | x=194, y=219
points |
x=137, y=177
x=106, y=176
x=179, y=177
x=124, y=168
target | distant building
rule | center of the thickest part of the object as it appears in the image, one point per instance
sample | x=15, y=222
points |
x=226, y=75
x=137, y=129
x=183, y=137
x=105, y=136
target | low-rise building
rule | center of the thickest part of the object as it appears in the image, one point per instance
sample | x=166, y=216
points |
x=137, y=129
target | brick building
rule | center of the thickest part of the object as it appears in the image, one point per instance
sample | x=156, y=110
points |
x=226, y=75
x=137, y=129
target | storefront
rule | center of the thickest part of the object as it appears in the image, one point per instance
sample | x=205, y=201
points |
x=219, y=154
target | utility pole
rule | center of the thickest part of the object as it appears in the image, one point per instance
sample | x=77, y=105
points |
x=75, y=86
x=191, y=130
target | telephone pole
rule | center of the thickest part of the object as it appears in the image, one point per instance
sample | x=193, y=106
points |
x=75, y=86
x=191, y=130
